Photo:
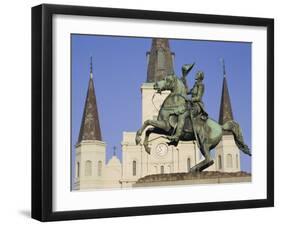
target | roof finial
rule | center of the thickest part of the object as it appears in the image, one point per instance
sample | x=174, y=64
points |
x=223, y=67
x=91, y=68
x=114, y=150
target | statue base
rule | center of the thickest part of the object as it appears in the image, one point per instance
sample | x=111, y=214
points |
x=205, y=177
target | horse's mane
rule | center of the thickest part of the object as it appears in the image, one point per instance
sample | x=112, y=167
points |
x=183, y=82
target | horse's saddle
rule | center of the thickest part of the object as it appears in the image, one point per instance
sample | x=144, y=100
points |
x=173, y=120
x=187, y=123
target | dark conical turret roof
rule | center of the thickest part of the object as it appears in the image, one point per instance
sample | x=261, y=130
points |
x=90, y=126
x=225, y=106
x=160, y=63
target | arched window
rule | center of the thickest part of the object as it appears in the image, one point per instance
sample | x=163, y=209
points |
x=229, y=161
x=220, y=162
x=134, y=168
x=99, y=168
x=155, y=169
x=169, y=169
x=162, y=169
x=237, y=161
x=77, y=169
x=88, y=168
x=188, y=164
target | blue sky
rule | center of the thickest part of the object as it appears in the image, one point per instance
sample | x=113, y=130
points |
x=120, y=68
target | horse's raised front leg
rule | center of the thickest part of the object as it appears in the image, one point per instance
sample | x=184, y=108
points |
x=147, y=134
x=161, y=124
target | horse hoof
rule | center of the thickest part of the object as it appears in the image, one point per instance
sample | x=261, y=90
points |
x=194, y=170
x=138, y=140
x=148, y=150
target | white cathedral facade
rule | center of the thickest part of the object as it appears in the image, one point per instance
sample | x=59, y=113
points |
x=91, y=169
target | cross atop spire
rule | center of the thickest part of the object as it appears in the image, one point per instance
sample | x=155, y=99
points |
x=91, y=68
x=223, y=67
x=160, y=60
x=114, y=150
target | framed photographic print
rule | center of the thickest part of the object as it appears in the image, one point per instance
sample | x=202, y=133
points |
x=146, y=112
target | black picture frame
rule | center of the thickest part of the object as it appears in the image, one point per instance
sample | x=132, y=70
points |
x=42, y=107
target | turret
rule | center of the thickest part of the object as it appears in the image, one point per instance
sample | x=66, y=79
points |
x=90, y=149
x=227, y=154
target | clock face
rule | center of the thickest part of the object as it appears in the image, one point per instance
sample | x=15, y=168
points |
x=161, y=149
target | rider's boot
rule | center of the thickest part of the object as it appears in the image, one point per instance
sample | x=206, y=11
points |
x=181, y=120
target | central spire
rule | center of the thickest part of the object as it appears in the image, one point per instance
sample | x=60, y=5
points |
x=160, y=60
x=90, y=126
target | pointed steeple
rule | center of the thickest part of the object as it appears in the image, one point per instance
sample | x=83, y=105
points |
x=90, y=126
x=225, y=107
x=160, y=60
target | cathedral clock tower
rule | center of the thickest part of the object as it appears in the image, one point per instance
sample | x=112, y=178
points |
x=160, y=64
x=163, y=159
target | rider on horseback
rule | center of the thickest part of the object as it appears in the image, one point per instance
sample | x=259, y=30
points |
x=194, y=106
x=197, y=105
x=177, y=110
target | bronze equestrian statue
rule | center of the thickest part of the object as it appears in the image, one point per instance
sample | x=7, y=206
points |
x=181, y=118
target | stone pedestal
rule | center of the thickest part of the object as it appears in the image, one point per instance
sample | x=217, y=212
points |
x=206, y=177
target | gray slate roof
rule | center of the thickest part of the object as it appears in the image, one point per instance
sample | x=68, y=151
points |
x=90, y=125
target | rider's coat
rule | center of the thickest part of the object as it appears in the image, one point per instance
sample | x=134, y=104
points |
x=197, y=93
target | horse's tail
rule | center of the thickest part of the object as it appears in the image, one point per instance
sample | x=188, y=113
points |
x=234, y=127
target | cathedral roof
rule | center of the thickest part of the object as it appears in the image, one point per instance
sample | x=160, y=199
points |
x=90, y=126
x=225, y=106
x=160, y=61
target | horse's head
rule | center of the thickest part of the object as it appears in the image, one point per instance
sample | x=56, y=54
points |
x=167, y=83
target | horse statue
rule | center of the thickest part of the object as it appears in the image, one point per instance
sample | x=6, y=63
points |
x=197, y=127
